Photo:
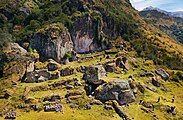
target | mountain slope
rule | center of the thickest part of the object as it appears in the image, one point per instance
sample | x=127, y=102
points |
x=86, y=59
x=173, y=26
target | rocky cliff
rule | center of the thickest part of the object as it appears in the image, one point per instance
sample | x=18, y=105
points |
x=52, y=41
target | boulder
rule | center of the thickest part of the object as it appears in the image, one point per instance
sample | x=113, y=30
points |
x=53, y=108
x=5, y=95
x=55, y=75
x=155, y=82
x=110, y=67
x=44, y=73
x=147, y=74
x=67, y=71
x=30, y=77
x=116, y=90
x=52, y=41
x=94, y=74
x=122, y=63
x=141, y=88
x=164, y=75
x=172, y=110
x=52, y=66
x=52, y=98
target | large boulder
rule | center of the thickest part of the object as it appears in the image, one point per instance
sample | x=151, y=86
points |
x=118, y=90
x=94, y=73
x=52, y=41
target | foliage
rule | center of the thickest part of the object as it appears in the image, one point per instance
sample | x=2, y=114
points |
x=5, y=38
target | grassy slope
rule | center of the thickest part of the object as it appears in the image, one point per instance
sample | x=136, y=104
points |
x=98, y=112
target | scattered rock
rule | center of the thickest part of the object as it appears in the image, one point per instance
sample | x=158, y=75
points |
x=55, y=75
x=52, y=98
x=53, y=108
x=155, y=82
x=37, y=76
x=147, y=74
x=52, y=66
x=172, y=110
x=133, y=86
x=34, y=107
x=108, y=107
x=30, y=77
x=73, y=105
x=67, y=71
x=119, y=111
x=67, y=86
x=88, y=106
x=81, y=69
x=30, y=100
x=110, y=67
x=147, y=104
x=141, y=88
x=151, y=88
x=11, y=115
x=96, y=102
x=122, y=63
x=164, y=75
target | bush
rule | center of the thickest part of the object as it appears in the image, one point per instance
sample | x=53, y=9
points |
x=6, y=37
x=68, y=55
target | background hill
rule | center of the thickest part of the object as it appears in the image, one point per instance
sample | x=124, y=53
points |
x=168, y=22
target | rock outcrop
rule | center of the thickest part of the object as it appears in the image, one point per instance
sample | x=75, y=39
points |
x=53, y=41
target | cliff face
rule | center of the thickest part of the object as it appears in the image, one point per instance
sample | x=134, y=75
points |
x=52, y=42
x=87, y=35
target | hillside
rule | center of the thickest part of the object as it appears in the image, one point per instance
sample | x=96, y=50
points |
x=86, y=60
x=165, y=21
